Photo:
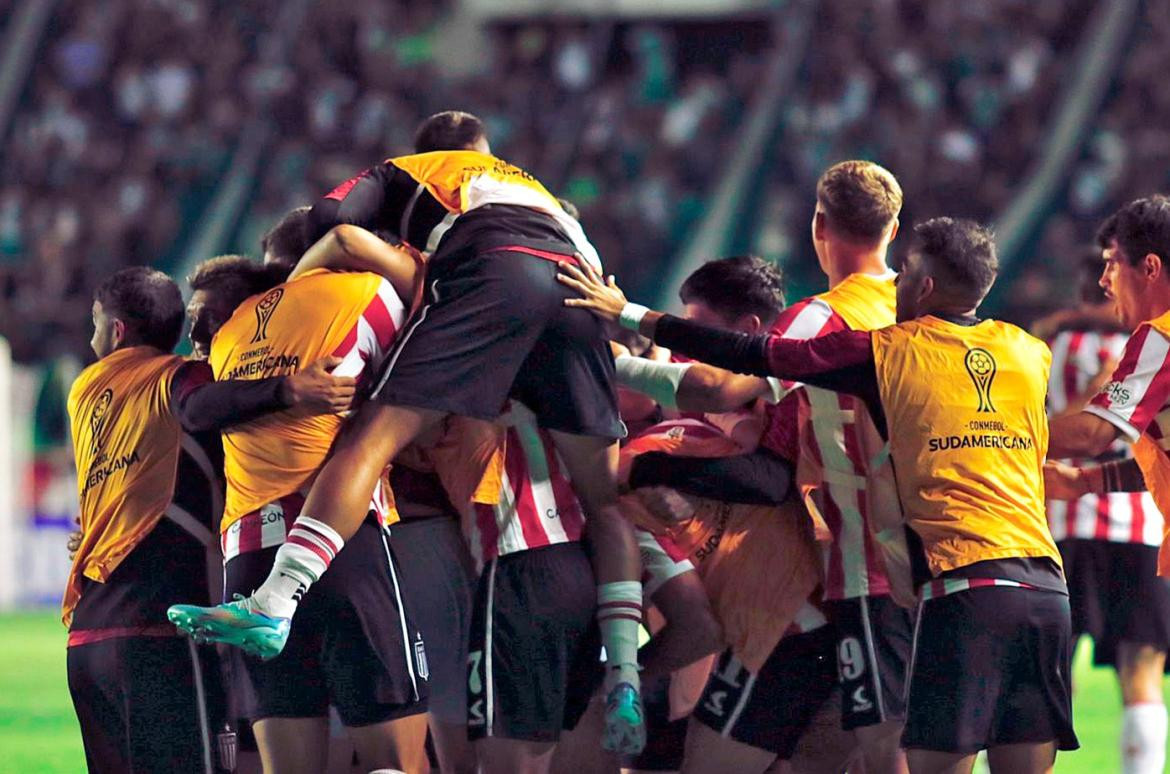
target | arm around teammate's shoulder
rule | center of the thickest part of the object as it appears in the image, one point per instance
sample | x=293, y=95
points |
x=352, y=248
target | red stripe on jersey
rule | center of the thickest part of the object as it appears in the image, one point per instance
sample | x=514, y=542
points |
x=516, y=464
x=568, y=506
x=378, y=316
x=251, y=532
x=347, y=343
x=341, y=191
x=1137, y=527
x=1069, y=372
x=876, y=581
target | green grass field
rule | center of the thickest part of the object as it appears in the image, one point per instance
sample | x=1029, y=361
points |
x=38, y=731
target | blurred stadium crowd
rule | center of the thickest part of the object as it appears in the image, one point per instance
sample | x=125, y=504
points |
x=134, y=107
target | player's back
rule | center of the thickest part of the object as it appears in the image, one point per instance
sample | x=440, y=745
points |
x=964, y=406
x=354, y=316
x=126, y=442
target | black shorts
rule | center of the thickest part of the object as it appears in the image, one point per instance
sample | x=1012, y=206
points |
x=350, y=645
x=990, y=667
x=142, y=704
x=1116, y=596
x=873, y=650
x=770, y=710
x=438, y=580
x=535, y=652
x=495, y=326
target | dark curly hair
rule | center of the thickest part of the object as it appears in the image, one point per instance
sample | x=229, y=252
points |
x=735, y=286
x=962, y=252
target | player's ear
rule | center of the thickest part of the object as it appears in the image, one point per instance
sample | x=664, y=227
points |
x=894, y=229
x=926, y=288
x=118, y=333
x=1152, y=266
x=818, y=226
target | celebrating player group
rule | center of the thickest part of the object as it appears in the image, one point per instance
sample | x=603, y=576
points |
x=444, y=478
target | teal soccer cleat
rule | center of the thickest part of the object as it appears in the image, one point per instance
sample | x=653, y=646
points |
x=236, y=623
x=625, y=728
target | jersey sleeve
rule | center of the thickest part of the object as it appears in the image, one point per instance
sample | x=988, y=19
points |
x=1140, y=385
x=805, y=320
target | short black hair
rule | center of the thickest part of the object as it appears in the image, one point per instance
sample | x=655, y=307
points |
x=447, y=131
x=288, y=240
x=235, y=278
x=962, y=251
x=1139, y=228
x=147, y=301
x=735, y=286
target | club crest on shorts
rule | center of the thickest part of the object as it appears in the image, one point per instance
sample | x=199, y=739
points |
x=420, y=660
x=981, y=367
x=264, y=311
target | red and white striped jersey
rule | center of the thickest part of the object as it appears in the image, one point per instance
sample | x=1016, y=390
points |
x=1136, y=400
x=825, y=425
x=1119, y=517
x=537, y=505
x=363, y=350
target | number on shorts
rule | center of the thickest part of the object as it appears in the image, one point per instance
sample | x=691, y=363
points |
x=850, y=659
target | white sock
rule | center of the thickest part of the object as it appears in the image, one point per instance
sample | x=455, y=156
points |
x=303, y=558
x=1143, y=739
x=619, y=614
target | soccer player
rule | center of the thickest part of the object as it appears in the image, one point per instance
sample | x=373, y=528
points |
x=493, y=327
x=777, y=668
x=149, y=497
x=1132, y=407
x=856, y=218
x=961, y=401
x=356, y=648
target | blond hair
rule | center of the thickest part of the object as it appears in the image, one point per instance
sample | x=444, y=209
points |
x=860, y=199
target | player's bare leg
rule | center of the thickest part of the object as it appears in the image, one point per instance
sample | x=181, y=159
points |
x=292, y=745
x=935, y=762
x=455, y=752
x=881, y=748
x=578, y=751
x=513, y=756
x=396, y=744
x=824, y=746
x=708, y=752
x=1143, y=726
x=1022, y=758
x=333, y=511
x=593, y=464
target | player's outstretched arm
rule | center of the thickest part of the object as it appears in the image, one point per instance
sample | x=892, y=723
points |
x=840, y=361
x=1066, y=482
x=202, y=404
x=353, y=248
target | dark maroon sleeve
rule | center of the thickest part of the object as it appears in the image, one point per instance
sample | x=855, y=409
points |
x=842, y=361
x=203, y=404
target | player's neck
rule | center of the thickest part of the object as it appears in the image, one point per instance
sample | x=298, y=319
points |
x=851, y=260
x=1157, y=302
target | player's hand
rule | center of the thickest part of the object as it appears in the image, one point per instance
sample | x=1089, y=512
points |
x=317, y=391
x=666, y=503
x=73, y=544
x=1064, y=482
x=601, y=296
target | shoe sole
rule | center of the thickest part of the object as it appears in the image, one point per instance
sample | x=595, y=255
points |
x=207, y=629
x=624, y=737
